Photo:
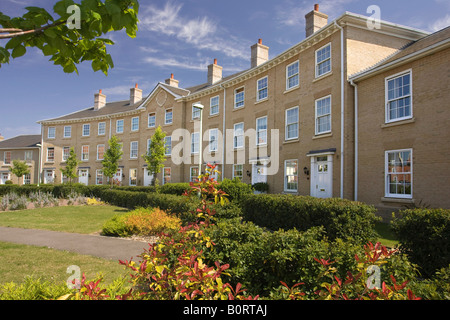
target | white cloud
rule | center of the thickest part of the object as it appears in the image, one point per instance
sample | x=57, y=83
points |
x=440, y=24
x=201, y=33
x=178, y=62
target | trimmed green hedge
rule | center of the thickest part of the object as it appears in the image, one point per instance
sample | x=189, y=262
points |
x=424, y=234
x=341, y=218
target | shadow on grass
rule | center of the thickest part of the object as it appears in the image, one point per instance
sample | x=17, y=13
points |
x=386, y=235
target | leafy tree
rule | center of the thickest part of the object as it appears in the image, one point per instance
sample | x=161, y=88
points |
x=156, y=155
x=74, y=36
x=70, y=170
x=111, y=158
x=19, y=168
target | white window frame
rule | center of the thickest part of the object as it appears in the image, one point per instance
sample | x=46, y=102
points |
x=120, y=124
x=213, y=145
x=261, y=130
x=236, y=106
x=134, y=124
x=317, y=64
x=195, y=142
x=85, y=153
x=166, y=119
x=193, y=176
x=51, y=130
x=83, y=129
x=286, y=189
x=214, y=105
x=287, y=124
x=234, y=171
x=135, y=179
x=64, y=155
x=98, y=172
x=67, y=131
x=196, y=112
x=410, y=95
x=134, y=151
x=27, y=178
x=149, y=142
x=295, y=75
x=47, y=158
x=236, y=136
x=387, y=175
x=101, y=129
x=164, y=175
x=5, y=157
x=104, y=150
x=168, y=146
x=316, y=117
x=151, y=124
x=28, y=155
x=263, y=90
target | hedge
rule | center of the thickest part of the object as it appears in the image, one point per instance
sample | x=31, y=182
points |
x=424, y=234
x=341, y=218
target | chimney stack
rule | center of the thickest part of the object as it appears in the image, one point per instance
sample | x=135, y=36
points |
x=99, y=100
x=260, y=54
x=315, y=21
x=135, y=94
x=214, y=73
x=172, y=82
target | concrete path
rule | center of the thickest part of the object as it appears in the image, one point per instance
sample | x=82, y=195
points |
x=98, y=246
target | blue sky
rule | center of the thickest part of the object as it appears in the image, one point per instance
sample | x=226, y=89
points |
x=180, y=37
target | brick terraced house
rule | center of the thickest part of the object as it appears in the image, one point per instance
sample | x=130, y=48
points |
x=350, y=111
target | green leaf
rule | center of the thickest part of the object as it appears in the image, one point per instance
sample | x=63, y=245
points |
x=50, y=33
x=18, y=51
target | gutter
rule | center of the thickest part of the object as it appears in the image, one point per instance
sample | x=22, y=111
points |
x=341, y=192
x=356, y=140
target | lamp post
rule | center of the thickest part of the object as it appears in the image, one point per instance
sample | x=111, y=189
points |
x=39, y=163
x=200, y=107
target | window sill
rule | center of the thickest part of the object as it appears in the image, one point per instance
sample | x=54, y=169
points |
x=262, y=100
x=397, y=200
x=323, y=135
x=398, y=123
x=213, y=115
x=238, y=108
x=323, y=76
x=291, y=89
x=291, y=141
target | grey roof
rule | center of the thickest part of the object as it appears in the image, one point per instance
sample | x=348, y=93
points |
x=23, y=141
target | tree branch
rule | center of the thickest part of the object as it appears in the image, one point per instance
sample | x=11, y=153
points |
x=19, y=32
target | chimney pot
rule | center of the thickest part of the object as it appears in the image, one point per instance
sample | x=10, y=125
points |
x=171, y=81
x=135, y=94
x=315, y=21
x=99, y=100
x=214, y=73
x=260, y=54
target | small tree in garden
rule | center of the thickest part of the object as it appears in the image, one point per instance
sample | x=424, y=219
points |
x=70, y=170
x=111, y=159
x=19, y=168
x=156, y=154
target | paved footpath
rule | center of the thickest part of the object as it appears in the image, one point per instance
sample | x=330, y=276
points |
x=98, y=246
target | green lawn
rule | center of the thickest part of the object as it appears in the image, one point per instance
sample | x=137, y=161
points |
x=75, y=219
x=386, y=235
x=20, y=261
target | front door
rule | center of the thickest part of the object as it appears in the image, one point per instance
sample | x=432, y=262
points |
x=322, y=177
x=49, y=176
x=4, y=177
x=118, y=177
x=83, y=176
x=259, y=173
x=148, y=177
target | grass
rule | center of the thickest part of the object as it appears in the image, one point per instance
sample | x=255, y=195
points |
x=386, y=235
x=21, y=261
x=74, y=219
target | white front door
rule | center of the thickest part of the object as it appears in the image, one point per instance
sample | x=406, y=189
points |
x=49, y=176
x=259, y=173
x=118, y=177
x=148, y=178
x=4, y=177
x=322, y=176
x=83, y=176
